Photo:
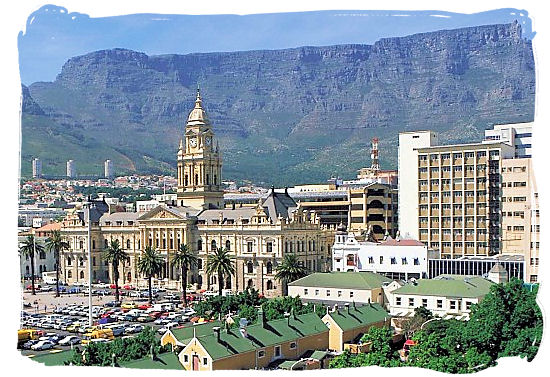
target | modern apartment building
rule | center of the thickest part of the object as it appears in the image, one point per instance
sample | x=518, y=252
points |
x=71, y=172
x=108, y=167
x=36, y=168
x=520, y=214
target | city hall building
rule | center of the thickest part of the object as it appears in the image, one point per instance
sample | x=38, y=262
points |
x=258, y=236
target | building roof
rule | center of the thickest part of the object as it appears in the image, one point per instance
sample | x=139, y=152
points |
x=53, y=358
x=210, y=215
x=198, y=115
x=260, y=335
x=401, y=242
x=448, y=286
x=345, y=280
x=358, y=316
x=49, y=227
x=278, y=204
x=118, y=216
x=185, y=334
x=166, y=360
x=497, y=268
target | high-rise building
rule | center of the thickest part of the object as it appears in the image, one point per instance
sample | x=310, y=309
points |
x=109, y=169
x=520, y=214
x=36, y=168
x=71, y=172
x=408, y=178
x=517, y=134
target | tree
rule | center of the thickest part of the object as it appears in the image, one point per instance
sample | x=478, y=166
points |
x=186, y=260
x=220, y=262
x=56, y=244
x=30, y=248
x=150, y=264
x=290, y=269
x=115, y=255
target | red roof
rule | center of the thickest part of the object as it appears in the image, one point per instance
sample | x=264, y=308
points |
x=402, y=242
x=49, y=227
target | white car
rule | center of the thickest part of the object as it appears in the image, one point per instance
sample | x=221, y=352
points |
x=133, y=329
x=43, y=345
x=68, y=340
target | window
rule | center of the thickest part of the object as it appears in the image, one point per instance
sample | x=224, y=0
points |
x=439, y=304
x=381, y=259
x=81, y=245
x=403, y=260
x=328, y=292
x=398, y=301
x=249, y=246
x=339, y=293
x=269, y=247
x=106, y=243
x=452, y=304
x=82, y=274
x=269, y=268
x=228, y=245
x=204, y=361
x=249, y=268
x=69, y=274
x=269, y=285
x=213, y=245
x=93, y=261
x=411, y=301
x=293, y=345
x=468, y=305
x=425, y=302
x=199, y=245
x=199, y=264
x=316, y=292
x=393, y=261
x=261, y=353
x=371, y=260
x=351, y=294
x=306, y=291
x=185, y=358
x=277, y=351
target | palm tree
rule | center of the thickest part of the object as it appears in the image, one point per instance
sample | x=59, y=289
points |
x=115, y=255
x=29, y=249
x=149, y=264
x=220, y=262
x=290, y=269
x=56, y=244
x=184, y=259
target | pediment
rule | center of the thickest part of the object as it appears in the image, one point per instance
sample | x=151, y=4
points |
x=161, y=213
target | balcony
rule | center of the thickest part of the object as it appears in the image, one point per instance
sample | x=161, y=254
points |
x=446, y=187
x=423, y=175
x=423, y=212
x=469, y=211
x=424, y=237
x=434, y=224
x=457, y=186
x=434, y=187
x=470, y=199
x=434, y=212
x=445, y=174
x=423, y=163
x=446, y=212
x=446, y=199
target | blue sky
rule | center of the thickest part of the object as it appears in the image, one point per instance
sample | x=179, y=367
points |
x=53, y=35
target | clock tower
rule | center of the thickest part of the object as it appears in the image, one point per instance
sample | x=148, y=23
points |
x=199, y=163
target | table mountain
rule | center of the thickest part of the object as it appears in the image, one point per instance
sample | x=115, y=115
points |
x=282, y=116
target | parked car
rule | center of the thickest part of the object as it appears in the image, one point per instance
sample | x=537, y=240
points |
x=43, y=345
x=29, y=343
x=132, y=329
x=112, y=304
x=144, y=318
x=68, y=340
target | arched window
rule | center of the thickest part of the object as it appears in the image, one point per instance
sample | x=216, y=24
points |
x=129, y=277
x=69, y=274
x=228, y=245
x=82, y=274
x=250, y=268
x=93, y=261
x=127, y=244
x=27, y=270
x=199, y=263
x=213, y=245
x=196, y=179
x=40, y=268
x=81, y=261
x=228, y=283
x=106, y=243
x=81, y=244
x=250, y=283
x=139, y=244
x=215, y=179
x=186, y=180
x=69, y=261
x=269, y=268
x=269, y=284
x=207, y=179
x=42, y=255
x=199, y=245
x=213, y=280
x=93, y=244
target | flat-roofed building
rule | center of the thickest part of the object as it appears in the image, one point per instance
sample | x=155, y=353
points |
x=448, y=296
x=517, y=134
x=479, y=265
x=520, y=214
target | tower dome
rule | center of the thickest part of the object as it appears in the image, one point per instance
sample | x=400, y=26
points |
x=198, y=115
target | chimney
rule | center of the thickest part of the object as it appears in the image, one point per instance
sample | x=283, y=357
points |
x=287, y=315
x=216, y=329
x=347, y=306
x=335, y=308
x=261, y=316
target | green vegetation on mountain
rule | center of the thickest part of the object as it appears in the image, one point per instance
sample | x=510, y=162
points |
x=282, y=116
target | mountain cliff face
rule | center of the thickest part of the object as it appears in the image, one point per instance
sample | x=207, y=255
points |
x=282, y=116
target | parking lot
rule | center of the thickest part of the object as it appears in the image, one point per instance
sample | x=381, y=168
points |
x=56, y=318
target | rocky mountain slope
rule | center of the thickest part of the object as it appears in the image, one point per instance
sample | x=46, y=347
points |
x=282, y=116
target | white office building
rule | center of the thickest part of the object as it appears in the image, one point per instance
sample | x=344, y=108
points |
x=71, y=172
x=36, y=168
x=395, y=258
x=109, y=172
x=408, y=178
x=517, y=134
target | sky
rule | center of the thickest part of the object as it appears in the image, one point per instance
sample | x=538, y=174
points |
x=53, y=34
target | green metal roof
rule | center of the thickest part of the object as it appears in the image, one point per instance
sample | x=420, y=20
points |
x=167, y=360
x=185, y=334
x=345, y=280
x=259, y=336
x=54, y=358
x=359, y=316
x=448, y=286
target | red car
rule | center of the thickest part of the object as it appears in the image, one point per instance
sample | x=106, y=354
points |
x=128, y=287
x=144, y=306
x=155, y=314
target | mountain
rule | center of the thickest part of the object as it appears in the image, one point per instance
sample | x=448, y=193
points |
x=282, y=116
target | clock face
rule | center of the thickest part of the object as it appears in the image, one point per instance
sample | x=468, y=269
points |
x=193, y=141
x=208, y=140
